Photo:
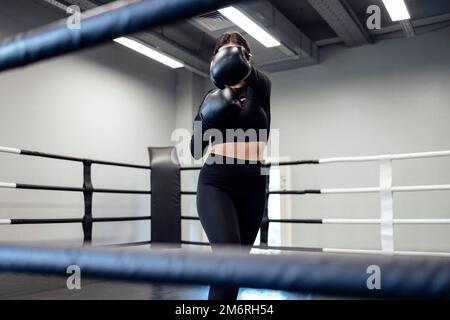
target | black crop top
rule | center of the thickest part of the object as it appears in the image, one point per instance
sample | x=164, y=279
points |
x=252, y=123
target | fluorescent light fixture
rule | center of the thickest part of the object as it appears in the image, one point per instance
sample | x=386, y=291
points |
x=246, y=24
x=397, y=9
x=149, y=52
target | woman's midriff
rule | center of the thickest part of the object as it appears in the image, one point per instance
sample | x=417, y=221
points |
x=253, y=151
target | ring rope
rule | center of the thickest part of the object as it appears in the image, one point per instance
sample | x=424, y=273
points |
x=99, y=25
x=71, y=220
x=400, y=156
x=70, y=158
x=8, y=185
x=336, y=274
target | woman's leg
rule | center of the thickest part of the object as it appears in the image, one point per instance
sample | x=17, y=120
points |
x=218, y=217
x=250, y=212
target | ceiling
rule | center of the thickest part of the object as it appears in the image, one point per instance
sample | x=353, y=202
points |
x=302, y=26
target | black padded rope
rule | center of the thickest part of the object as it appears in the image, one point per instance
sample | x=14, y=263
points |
x=308, y=191
x=49, y=155
x=195, y=243
x=189, y=218
x=77, y=220
x=46, y=221
x=98, y=26
x=120, y=164
x=124, y=191
x=267, y=165
x=191, y=168
x=335, y=274
x=119, y=219
x=293, y=192
x=77, y=159
x=48, y=188
x=188, y=193
x=301, y=221
x=292, y=163
x=76, y=189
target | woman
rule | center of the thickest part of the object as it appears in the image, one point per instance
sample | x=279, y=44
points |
x=231, y=192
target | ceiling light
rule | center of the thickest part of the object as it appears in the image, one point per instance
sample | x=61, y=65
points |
x=397, y=9
x=246, y=24
x=149, y=52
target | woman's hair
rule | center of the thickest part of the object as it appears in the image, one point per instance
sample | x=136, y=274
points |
x=234, y=38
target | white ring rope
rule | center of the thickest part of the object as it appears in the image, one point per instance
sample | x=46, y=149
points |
x=394, y=189
x=395, y=253
x=378, y=221
x=400, y=156
x=7, y=185
x=10, y=150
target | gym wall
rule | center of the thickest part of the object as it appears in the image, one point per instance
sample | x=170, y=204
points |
x=389, y=97
x=108, y=103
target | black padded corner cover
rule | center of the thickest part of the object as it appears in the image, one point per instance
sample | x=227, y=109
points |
x=166, y=196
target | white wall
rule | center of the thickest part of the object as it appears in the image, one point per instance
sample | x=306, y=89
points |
x=108, y=103
x=189, y=94
x=389, y=97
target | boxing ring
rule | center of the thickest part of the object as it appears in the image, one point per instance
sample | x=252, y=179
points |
x=315, y=270
x=171, y=217
x=332, y=268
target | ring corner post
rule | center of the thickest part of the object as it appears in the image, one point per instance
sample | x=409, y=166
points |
x=264, y=228
x=165, y=196
x=87, y=223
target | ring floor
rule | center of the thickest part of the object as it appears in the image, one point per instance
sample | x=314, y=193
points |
x=40, y=287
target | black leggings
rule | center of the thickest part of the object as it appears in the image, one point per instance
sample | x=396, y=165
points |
x=230, y=203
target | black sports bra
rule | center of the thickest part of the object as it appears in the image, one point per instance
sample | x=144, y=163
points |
x=252, y=123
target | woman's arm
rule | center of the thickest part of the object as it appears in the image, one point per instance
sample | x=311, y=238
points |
x=262, y=85
x=259, y=81
x=198, y=144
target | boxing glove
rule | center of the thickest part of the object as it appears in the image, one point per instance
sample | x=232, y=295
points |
x=219, y=106
x=230, y=66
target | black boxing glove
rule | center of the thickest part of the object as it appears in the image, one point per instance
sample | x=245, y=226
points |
x=230, y=66
x=219, y=106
